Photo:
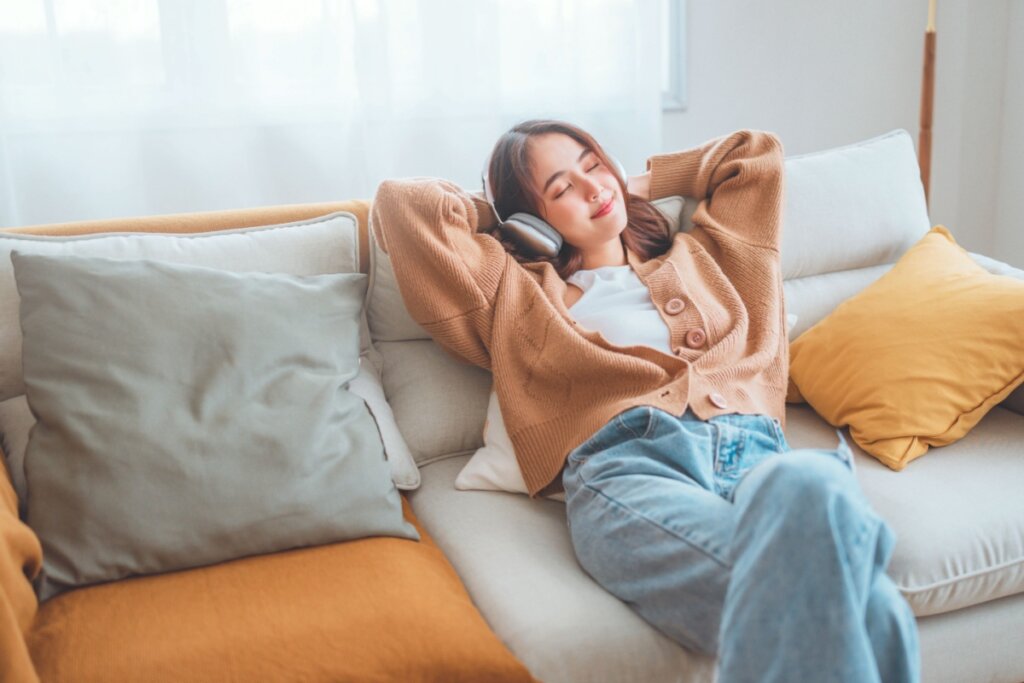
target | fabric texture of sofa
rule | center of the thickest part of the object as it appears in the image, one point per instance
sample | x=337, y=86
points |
x=493, y=591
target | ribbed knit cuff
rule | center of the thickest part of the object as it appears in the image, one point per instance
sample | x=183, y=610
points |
x=675, y=173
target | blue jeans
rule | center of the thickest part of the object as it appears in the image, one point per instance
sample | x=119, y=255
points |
x=731, y=544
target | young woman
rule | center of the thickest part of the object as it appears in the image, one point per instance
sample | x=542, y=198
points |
x=645, y=374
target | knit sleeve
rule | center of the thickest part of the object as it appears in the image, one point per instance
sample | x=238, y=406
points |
x=739, y=180
x=448, y=273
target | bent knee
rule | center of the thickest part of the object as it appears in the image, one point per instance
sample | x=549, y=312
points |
x=803, y=477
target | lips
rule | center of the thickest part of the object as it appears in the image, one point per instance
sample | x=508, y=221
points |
x=605, y=208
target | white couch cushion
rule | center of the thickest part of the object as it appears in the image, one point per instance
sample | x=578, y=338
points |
x=385, y=311
x=515, y=557
x=958, y=518
x=979, y=643
x=440, y=403
x=852, y=207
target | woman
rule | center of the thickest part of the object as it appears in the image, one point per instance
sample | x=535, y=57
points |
x=645, y=374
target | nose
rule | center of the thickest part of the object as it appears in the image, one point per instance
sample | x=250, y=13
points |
x=594, y=190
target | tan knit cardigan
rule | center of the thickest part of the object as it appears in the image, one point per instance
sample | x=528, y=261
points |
x=558, y=383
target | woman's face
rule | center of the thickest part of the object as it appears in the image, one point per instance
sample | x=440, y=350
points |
x=575, y=186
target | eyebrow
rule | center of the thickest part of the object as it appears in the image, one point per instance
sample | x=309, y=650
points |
x=554, y=176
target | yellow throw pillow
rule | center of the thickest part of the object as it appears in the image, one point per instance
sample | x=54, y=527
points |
x=918, y=357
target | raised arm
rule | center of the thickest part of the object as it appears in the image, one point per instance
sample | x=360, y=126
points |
x=740, y=176
x=448, y=273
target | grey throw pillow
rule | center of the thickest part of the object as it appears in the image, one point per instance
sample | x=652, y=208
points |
x=188, y=416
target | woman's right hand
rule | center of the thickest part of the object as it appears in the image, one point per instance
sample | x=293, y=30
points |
x=640, y=185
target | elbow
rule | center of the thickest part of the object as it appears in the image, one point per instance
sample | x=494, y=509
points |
x=760, y=141
x=761, y=148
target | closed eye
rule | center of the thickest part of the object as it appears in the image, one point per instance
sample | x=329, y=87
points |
x=557, y=196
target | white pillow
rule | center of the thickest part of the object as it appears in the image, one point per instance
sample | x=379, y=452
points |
x=368, y=385
x=494, y=467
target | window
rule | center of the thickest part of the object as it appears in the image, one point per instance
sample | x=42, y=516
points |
x=673, y=55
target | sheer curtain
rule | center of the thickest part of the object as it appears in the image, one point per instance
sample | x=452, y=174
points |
x=131, y=107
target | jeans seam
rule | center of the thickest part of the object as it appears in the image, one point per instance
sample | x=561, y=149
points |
x=780, y=438
x=647, y=429
x=650, y=422
x=716, y=442
x=623, y=425
x=650, y=521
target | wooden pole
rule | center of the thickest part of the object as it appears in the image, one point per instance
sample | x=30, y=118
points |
x=924, y=144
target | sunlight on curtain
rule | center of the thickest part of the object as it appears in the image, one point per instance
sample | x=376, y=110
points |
x=131, y=107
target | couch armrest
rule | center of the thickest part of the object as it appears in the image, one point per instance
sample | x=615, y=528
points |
x=21, y=557
x=1015, y=401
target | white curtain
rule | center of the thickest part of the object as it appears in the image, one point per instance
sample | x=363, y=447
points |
x=115, y=108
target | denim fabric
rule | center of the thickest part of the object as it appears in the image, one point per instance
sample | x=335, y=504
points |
x=732, y=544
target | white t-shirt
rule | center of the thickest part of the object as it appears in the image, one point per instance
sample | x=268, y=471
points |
x=617, y=304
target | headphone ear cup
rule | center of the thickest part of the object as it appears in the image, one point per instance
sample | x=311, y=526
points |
x=620, y=170
x=533, y=233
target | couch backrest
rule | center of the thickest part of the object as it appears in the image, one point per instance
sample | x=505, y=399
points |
x=850, y=213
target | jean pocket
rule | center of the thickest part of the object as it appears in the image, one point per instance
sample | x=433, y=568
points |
x=637, y=421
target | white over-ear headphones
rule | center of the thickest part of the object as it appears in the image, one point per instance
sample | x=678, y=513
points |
x=528, y=230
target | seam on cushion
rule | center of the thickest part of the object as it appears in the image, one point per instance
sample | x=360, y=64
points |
x=192, y=235
x=446, y=456
x=1015, y=273
x=842, y=270
x=962, y=577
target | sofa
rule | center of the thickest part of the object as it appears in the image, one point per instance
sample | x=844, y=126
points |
x=492, y=591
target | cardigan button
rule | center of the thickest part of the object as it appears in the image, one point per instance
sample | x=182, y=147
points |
x=695, y=338
x=675, y=306
x=718, y=400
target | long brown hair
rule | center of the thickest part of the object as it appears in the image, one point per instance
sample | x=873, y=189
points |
x=647, y=230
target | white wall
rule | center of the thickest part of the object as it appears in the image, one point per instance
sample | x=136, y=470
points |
x=828, y=73
x=1009, y=237
x=970, y=80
